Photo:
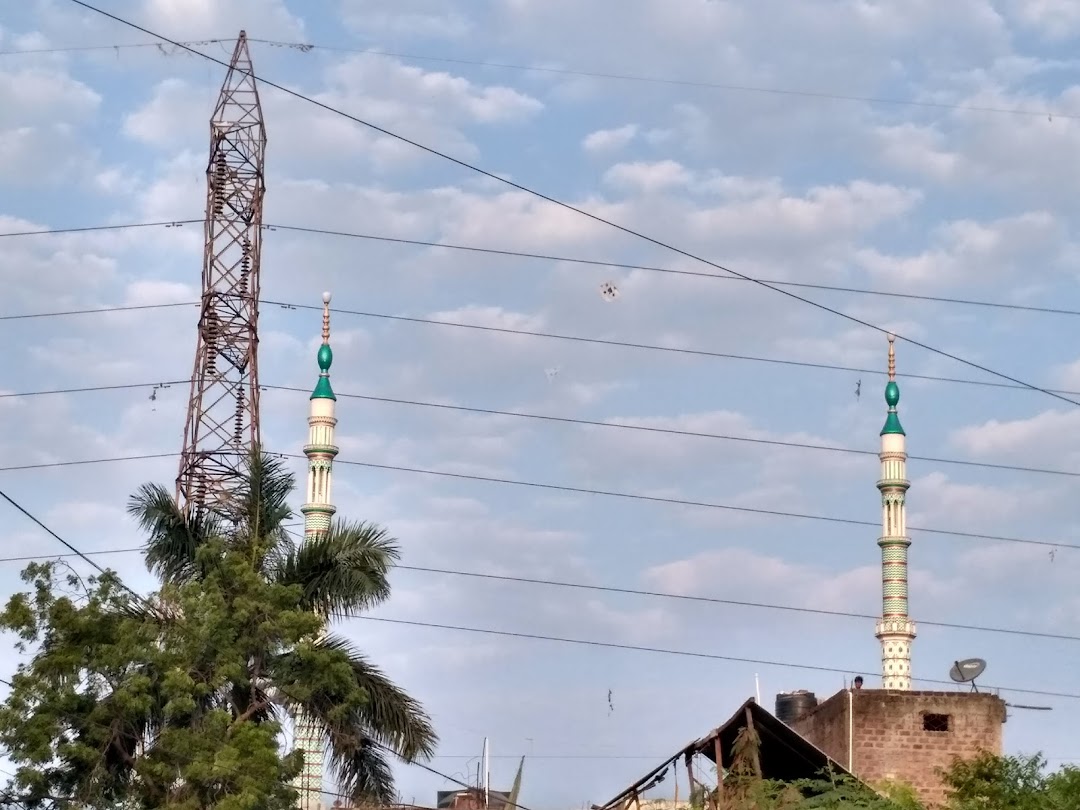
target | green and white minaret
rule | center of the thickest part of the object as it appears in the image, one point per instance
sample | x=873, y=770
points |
x=318, y=509
x=895, y=630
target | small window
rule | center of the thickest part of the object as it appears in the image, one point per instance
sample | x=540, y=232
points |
x=935, y=722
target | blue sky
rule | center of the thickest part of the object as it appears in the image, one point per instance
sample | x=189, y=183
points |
x=958, y=195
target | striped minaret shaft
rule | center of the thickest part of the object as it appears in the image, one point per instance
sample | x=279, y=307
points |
x=895, y=630
x=318, y=509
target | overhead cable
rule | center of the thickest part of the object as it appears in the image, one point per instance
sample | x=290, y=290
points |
x=622, y=591
x=574, y=260
x=307, y=47
x=565, y=337
x=539, y=417
x=502, y=179
x=688, y=653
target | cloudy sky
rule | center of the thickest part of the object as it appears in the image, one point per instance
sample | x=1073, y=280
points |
x=920, y=147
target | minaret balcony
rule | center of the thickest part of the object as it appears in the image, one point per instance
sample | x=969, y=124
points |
x=897, y=483
x=327, y=449
x=895, y=626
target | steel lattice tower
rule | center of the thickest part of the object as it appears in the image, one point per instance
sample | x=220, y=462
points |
x=223, y=410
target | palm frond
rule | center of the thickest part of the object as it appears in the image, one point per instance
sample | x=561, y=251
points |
x=343, y=571
x=363, y=774
x=390, y=715
x=260, y=505
x=174, y=540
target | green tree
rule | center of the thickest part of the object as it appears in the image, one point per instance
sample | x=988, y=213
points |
x=179, y=699
x=990, y=782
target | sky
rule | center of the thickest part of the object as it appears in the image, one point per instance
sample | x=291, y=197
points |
x=921, y=148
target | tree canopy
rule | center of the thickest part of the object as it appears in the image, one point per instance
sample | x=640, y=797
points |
x=180, y=698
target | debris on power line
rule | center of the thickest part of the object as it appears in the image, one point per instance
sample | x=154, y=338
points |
x=608, y=291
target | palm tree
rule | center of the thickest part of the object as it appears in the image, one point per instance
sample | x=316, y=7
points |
x=339, y=574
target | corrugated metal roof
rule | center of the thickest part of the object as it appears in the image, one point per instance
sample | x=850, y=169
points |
x=785, y=755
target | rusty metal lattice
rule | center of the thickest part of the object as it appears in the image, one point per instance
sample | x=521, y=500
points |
x=223, y=410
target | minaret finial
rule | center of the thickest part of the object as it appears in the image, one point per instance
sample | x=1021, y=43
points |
x=326, y=319
x=325, y=356
x=892, y=356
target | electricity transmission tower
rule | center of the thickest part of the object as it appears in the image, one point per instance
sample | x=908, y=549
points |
x=223, y=410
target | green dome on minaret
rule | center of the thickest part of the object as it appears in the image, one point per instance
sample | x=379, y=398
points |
x=892, y=395
x=325, y=356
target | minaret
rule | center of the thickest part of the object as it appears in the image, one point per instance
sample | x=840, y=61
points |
x=317, y=510
x=895, y=630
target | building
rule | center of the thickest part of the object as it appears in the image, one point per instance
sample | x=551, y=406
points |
x=783, y=756
x=906, y=736
x=895, y=733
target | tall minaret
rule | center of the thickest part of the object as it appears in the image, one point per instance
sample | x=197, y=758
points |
x=895, y=630
x=317, y=510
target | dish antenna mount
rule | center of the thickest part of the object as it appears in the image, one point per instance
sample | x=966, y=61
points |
x=967, y=671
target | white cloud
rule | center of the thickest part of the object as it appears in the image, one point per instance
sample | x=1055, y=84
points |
x=200, y=19
x=966, y=250
x=918, y=149
x=603, y=140
x=1051, y=433
x=647, y=178
x=33, y=95
x=170, y=116
x=1055, y=19
x=418, y=19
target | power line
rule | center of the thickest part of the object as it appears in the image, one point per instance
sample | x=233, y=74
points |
x=19, y=507
x=710, y=600
x=683, y=502
x=576, y=260
x=571, y=338
x=589, y=74
x=574, y=339
x=633, y=496
x=124, y=46
x=686, y=653
x=582, y=642
x=126, y=226
x=594, y=217
x=45, y=465
x=726, y=602
x=87, y=389
x=676, y=432
x=670, y=270
x=539, y=417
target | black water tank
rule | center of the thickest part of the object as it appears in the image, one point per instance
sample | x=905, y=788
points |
x=792, y=706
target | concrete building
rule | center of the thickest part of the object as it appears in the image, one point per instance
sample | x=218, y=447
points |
x=904, y=736
x=894, y=733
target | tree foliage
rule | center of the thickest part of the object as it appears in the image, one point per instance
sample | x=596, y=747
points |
x=179, y=699
x=989, y=782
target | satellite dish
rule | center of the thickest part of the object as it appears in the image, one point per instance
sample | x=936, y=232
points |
x=968, y=670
